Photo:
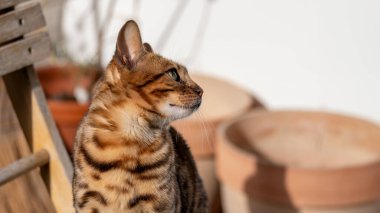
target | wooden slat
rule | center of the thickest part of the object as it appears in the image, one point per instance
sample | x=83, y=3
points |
x=47, y=124
x=21, y=21
x=23, y=166
x=9, y=3
x=39, y=128
x=24, y=52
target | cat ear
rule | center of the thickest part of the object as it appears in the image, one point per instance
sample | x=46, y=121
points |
x=148, y=48
x=129, y=45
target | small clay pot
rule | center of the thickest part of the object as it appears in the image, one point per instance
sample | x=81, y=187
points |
x=295, y=161
x=221, y=101
x=67, y=116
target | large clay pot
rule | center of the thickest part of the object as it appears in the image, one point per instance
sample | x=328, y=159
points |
x=221, y=101
x=311, y=162
x=58, y=83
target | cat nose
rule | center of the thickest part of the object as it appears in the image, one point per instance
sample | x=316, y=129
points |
x=198, y=90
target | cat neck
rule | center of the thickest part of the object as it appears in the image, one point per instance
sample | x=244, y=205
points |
x=128, y=120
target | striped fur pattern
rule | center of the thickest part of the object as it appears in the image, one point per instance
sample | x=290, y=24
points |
x=127, y=158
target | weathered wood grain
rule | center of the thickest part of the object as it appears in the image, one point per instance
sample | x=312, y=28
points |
x=9, y=3
x=23, y=166
x=24, y=52
x=20, y=21
x=26, y=193
x=27, y=96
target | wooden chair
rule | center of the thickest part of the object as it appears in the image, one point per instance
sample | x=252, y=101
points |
x=23, y=41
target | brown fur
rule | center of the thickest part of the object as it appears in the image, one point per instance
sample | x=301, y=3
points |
x=127, y=157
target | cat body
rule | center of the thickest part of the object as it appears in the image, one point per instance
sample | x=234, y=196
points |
x=127, y=158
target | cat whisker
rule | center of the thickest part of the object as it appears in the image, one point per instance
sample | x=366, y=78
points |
x=205, y=129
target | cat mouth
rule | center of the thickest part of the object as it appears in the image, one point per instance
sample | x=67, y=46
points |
x=194, y=106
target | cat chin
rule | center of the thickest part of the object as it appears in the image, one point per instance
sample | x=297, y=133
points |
x=176, y=112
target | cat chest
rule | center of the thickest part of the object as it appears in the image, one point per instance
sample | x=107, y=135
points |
x=146, y=191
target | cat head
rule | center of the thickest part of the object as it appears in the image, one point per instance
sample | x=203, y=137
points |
x=155, y=84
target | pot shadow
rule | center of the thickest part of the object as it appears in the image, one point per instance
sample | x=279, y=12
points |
x=266, y=188
x=267, y=191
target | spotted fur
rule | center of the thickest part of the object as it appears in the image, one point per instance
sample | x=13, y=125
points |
x=127, y=157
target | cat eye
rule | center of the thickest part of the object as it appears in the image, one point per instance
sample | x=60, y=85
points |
x=173, y=74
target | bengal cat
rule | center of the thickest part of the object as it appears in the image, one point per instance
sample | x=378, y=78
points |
x=127, y=157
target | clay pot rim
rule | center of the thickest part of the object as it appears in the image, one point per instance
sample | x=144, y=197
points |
x=222, y=131
x=58, y=101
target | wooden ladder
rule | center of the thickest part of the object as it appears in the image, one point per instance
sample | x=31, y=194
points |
x=23, y=41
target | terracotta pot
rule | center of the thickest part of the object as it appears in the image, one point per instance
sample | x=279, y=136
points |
x=299, y=162
x=221, y=101
x=58, y=83
x=67, y=115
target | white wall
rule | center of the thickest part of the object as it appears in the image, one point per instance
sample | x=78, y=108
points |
x=320, y=54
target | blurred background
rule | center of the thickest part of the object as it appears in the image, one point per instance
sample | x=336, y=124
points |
x=313, y=54
x=290, y=114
